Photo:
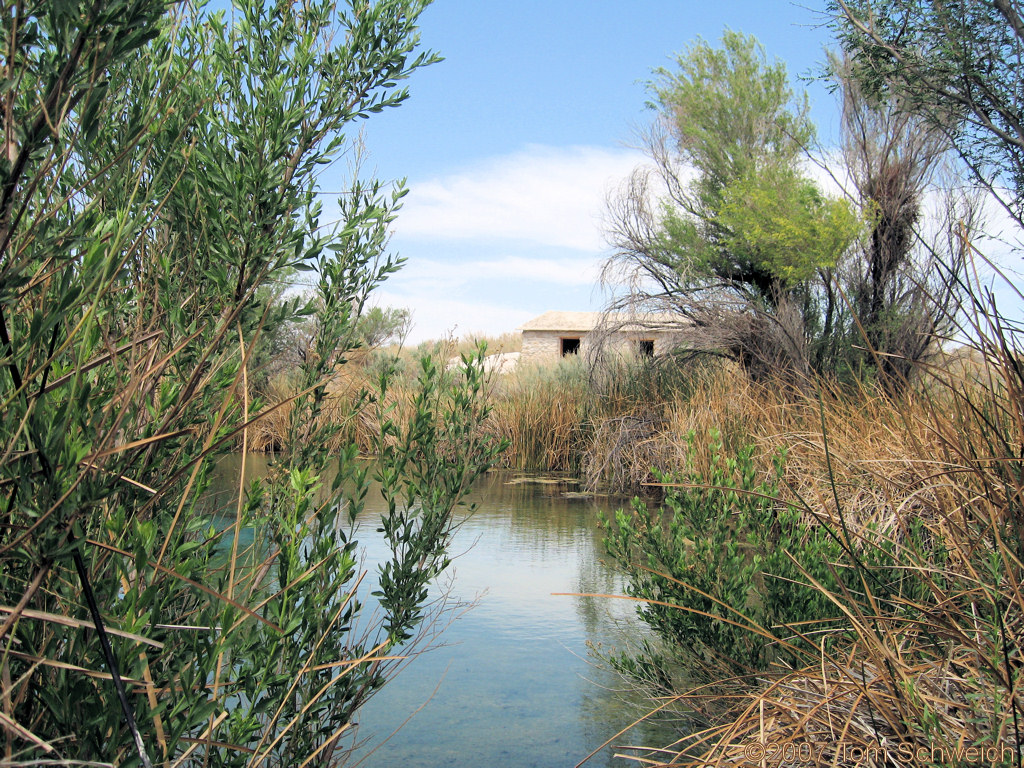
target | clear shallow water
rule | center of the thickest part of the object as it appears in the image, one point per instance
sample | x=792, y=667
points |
x=512, y=684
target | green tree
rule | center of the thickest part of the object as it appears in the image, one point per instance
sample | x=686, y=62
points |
x=158, y=180
x=377, y=325
x=725, y=229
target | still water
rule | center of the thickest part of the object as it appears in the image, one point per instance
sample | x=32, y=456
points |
x=512, y=682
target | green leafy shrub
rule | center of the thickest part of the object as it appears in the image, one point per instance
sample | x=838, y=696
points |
x=728, y=571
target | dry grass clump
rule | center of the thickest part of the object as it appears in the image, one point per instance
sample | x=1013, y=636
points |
x=605, y=422
x=624, y=449
x=851, y=714
x=353, y=402
x=916, y=683
x=345, y=392
x=849, y=449
x=858, y=454
x=873, y=443
x=542, y=413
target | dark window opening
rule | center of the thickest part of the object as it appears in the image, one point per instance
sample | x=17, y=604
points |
x=570, y=347
x=646, y=347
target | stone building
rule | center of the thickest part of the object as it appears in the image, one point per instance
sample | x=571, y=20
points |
x=556, y=334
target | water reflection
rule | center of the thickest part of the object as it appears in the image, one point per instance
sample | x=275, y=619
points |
x=512, y=684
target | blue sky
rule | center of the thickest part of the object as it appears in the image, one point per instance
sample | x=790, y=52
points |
x=511, y=145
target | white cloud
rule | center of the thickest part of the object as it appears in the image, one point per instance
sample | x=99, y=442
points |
x=492, y=295
x=500, y=271
x=552, y=196
x=494, y=244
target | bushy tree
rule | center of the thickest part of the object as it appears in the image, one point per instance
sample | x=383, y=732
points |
x=725, y=229
x=159, y=172
x=379, y=325
x=285, y=348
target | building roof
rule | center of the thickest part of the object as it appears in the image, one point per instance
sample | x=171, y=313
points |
x=563, y=321
x=582, y=322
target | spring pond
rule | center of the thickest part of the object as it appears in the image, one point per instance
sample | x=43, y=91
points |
x=510, y=681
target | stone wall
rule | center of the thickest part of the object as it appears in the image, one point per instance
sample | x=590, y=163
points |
x=546, y=346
